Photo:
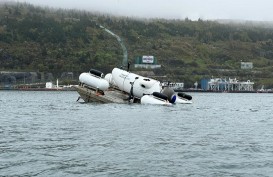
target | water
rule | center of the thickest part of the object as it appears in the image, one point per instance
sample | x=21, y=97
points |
x=50, y=134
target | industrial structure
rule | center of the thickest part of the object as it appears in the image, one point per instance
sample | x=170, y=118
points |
x=230, y=85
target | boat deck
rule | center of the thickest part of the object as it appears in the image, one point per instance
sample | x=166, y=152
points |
x=108, y=96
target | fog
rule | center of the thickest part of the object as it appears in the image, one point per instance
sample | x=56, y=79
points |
x=173, y=9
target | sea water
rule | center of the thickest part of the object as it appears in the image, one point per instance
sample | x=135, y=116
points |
x=220, y=134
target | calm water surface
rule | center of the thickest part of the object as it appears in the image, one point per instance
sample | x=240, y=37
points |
x=50, y=134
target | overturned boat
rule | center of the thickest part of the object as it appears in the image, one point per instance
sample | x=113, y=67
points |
x=122, y=86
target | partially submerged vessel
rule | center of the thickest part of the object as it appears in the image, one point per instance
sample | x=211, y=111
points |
x=122, y=86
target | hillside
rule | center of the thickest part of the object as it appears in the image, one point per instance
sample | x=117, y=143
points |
x=55, y=40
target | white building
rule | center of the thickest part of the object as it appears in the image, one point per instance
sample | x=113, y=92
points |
x=49, y=85
x=146, y=61
x=246, y=65
x=219, y=84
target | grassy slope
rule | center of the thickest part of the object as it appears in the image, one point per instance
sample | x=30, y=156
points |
x=38, y=39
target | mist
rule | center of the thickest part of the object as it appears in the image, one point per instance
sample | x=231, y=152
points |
x=176, y=9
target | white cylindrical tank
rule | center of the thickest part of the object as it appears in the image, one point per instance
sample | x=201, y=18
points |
x=109, y=78
x=141, y=85
x=94, y=81
x=123, y=78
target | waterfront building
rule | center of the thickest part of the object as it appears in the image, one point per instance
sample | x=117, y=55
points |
x=230, y=85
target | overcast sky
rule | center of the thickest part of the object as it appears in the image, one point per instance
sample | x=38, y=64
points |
x=257, y=10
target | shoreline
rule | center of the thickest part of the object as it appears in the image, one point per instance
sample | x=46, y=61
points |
x=213, y=91
x=176, y=90
x=37, y=89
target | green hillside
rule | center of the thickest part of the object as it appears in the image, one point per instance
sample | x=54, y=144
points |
x=55, y=40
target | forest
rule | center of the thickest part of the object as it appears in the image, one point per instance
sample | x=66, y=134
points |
x=41, y=39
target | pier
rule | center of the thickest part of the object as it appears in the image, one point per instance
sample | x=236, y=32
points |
x=230, y=85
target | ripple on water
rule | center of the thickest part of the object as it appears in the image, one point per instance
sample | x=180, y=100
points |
x=50, y=134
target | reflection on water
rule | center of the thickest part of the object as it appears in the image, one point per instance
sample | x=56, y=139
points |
x=49, y=133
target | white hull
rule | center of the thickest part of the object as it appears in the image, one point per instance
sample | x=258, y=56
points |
x=182, y=101
x=149, y=99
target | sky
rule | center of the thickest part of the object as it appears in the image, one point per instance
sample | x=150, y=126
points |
x=254, y=10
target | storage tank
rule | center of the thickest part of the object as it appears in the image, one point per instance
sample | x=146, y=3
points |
x=204, y=84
